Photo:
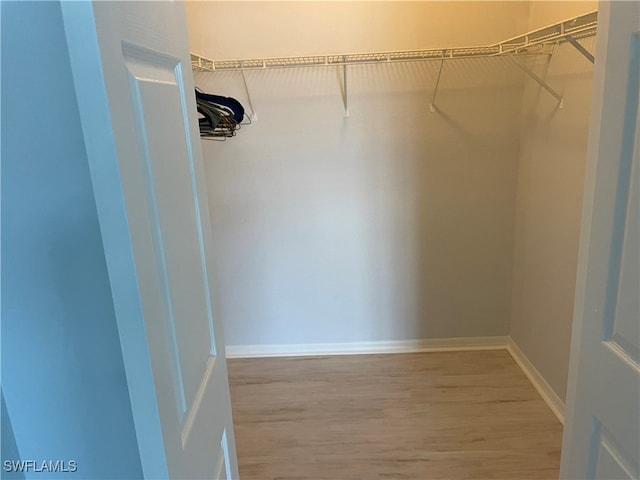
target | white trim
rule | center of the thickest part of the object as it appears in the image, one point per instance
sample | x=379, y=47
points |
x=359, y=348
x=544, y=389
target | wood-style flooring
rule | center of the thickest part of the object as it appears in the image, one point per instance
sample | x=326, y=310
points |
x=446, y=415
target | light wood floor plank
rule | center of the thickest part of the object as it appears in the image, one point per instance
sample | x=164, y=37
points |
x=421, y=416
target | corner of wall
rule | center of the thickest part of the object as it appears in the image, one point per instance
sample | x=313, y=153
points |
x=548, y=394
x=549, y=195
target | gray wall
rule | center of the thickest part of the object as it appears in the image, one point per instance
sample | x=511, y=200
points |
x=63, y=378
x=395, y=223
x=550, y=184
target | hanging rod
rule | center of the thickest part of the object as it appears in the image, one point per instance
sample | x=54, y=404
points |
x=531, y=43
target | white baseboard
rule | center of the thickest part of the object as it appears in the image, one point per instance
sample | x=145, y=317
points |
x=359, y=348
x=544, y=389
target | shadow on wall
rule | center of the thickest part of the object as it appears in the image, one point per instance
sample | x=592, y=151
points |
x=549, y=204
x=9, y=449
x=395, y=223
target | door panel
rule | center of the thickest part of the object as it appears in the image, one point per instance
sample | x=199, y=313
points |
x=602, y=428
x=169, y=191
x=134, y=85
x=622, y=326
x=608, y=460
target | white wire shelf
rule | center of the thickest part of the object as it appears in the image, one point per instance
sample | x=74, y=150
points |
x=531, y=43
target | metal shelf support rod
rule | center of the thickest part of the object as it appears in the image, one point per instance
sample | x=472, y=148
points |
x=345, y=98
x=254, y=115
x=432, y=105
x=538, y=80
x=578, y=46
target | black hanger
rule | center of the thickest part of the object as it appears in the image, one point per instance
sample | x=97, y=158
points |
x=225, y=102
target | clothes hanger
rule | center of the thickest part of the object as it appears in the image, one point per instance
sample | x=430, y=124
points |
x=226, y=102
x=216, y=122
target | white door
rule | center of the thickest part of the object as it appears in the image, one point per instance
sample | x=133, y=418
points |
x=602, y=428
x=132, y=74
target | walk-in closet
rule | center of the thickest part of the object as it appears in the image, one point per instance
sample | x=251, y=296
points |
x=410, y=180
x=341, y=240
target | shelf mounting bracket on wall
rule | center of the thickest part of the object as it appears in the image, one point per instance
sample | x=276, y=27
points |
x=254, y=115
x=587, y=54
x=538, y=80
x=432, y=105
x=345, y=98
